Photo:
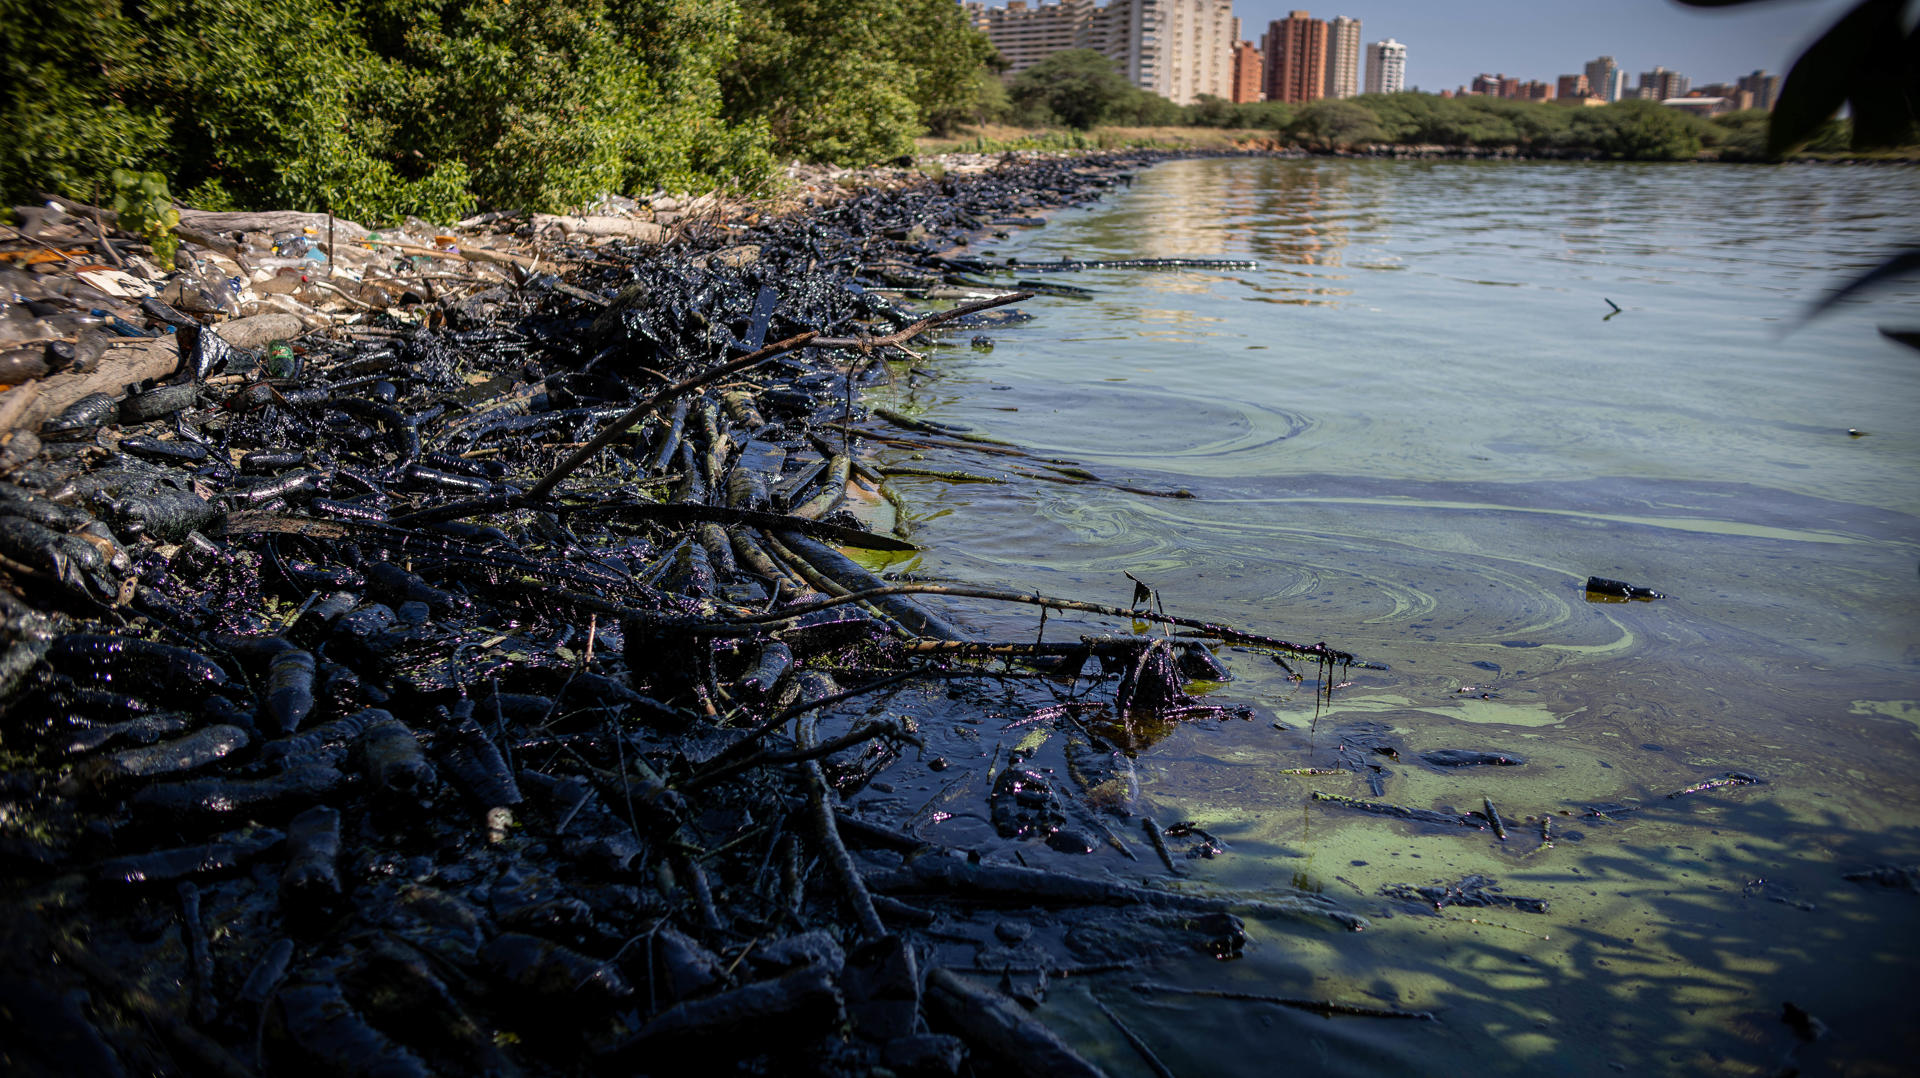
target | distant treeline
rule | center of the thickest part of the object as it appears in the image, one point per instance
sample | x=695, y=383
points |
x=1082, y=89
x=1625, y=130
x=379, y=108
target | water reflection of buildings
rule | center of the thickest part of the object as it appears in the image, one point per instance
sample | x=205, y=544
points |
x=1294, y=213
x=1302, y=214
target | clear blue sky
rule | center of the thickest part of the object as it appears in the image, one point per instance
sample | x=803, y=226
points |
x=1450, y=41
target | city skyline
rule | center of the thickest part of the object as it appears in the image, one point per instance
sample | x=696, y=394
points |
x=1448, y=45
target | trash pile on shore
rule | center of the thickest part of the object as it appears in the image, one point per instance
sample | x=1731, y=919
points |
x=441, y=665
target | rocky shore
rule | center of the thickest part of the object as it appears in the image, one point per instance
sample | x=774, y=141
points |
x=451, y=652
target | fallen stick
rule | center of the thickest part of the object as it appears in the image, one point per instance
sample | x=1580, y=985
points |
x=1140, y=1046
x=832, y=849
x=1152, y=829
x=994, y=1026
x=146, y=360
x=464, y=254
x=994, y=449
x=15, y=402
x=864, y=732
x=934, y=874
x=802, y=1002
x=1328, y=1008
x=914, y=329
x=1398, y=812
x=1222, y=632
x=639, y=411
x=689, y=512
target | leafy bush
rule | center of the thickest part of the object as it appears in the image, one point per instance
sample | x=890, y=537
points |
x=1739, y=136
x=1209, y=111
x=376, y=109
x=1079, y=87
x=65, y=128
x=547, y=104
x=1267, y=115
x=145, y=207
x=854, y=83
x=1638, y=131
x=1334, y=124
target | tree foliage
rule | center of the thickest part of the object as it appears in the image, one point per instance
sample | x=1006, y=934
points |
x=380, y=108
x=1077, y=87
x=547, y=104
x=1637, y=131
x=854, y=83
x=1334, y=124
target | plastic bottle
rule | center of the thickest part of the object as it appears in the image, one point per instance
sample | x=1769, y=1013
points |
x=281, y=362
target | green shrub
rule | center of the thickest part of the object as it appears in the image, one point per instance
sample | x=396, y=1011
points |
x=144, y=205
x=1638, y=131
x=375, y=110
x=1739, y=136
x=64, y=124
x=1079, y=86
x=852, y=84
x=1334, y=124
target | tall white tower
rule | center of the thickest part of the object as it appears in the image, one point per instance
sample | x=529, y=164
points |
x=1386, y=67
x=1343, y=56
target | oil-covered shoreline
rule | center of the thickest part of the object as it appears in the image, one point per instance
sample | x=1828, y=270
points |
x=478, y=698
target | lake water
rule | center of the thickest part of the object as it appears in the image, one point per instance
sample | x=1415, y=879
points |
x=1413, y=432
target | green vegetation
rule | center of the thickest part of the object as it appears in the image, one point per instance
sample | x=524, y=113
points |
x=1000, y=138
x=1626, y=131
x=144, y=206
x=377, y=109
x=852, y=84
x=1078, y=87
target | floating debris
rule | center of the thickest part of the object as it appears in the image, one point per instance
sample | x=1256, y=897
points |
x=1730, y=779
x=1472, y=758
x=1601, y=590
x=1475, y=890
x=1898, y=877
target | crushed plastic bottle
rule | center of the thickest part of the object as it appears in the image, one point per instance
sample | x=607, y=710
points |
x=281, y=362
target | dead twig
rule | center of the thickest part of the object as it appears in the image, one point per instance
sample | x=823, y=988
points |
x=827, y=829
x=1328, y=1008
x=1222, y=632
x=639, y=411
x=914, y=329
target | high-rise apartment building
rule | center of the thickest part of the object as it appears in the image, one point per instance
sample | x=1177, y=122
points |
x=1661, y=84
x=1764, y=88
x=1178, y=49
x=1249, y=73
x=1196, y=39
x=1485, y=85
x=1343, y=57
x=1570, y=86
x=1296, y=49
x=1386, y=67
x=1605, y=79
x=1025, y=34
